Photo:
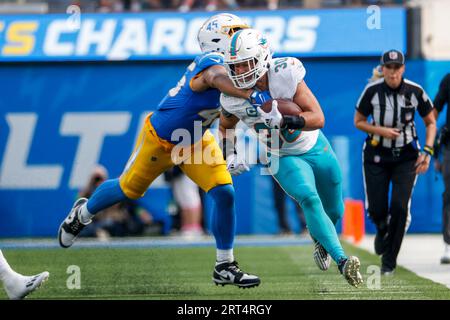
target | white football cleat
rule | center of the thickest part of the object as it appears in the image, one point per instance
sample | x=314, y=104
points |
x=321, y=256
x=71, y=227
x=18, y=286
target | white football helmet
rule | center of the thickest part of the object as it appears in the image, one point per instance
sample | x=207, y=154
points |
x=247, y=58
x=216, y=32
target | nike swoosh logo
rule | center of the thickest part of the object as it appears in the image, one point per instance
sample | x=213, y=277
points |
x=216, y=60
x=225, y=278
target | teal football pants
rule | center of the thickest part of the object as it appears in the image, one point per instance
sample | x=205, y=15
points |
x=314, y=180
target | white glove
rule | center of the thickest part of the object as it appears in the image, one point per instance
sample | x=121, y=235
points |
x=236, y=166
x=273, y=118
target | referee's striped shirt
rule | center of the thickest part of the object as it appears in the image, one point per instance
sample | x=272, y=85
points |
x=394, y=108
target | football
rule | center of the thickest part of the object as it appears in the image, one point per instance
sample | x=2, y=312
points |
x=286, y=107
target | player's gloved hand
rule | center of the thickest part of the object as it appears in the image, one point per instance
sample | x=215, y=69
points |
x=258, y=98
x=274, y=118
x=236, y=166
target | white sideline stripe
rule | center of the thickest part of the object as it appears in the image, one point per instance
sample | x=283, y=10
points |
x=421, y=254
x=170, y=242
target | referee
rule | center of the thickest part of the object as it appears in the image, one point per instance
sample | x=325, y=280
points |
x=391, y=153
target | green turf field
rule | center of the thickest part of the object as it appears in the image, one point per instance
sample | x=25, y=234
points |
x=286, y=273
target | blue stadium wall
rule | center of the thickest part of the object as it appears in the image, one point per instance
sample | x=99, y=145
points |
x=51, y=91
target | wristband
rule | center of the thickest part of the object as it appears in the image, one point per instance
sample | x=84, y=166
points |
x=293, y=122
x=428, y=150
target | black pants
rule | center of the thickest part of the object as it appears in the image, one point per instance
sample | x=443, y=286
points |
x=383, y=167
x=446, y=194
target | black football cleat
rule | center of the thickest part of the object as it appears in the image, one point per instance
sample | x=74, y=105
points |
x=229, y=273
x=71, y=226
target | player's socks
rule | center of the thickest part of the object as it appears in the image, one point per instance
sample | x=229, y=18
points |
x=84, y=214
x=224, y=255
x=106, y=195
x=223, y=217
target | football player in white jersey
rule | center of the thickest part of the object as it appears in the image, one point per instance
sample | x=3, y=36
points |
x=16, y=285
x=307, y=166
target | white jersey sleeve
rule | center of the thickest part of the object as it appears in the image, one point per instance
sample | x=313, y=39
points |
x=235, y=106
x=284, y=76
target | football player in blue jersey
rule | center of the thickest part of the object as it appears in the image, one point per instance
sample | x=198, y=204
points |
x=193, y=103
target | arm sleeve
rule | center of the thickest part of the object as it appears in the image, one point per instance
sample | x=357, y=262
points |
x=442, y=96
x=230, y=105
x=209, y=60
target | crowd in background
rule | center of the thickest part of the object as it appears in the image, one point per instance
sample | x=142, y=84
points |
x=211, y=5
x=108, y=6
